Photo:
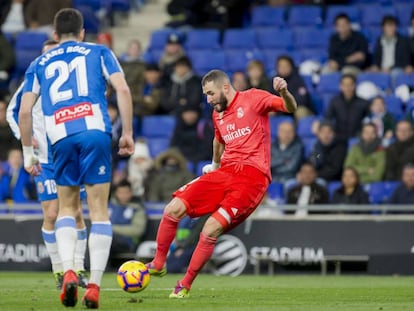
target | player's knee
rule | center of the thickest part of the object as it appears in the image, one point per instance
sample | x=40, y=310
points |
x=176, y=208
x=50, y=215
x=213, y=228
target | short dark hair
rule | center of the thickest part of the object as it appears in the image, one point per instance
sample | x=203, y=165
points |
x=123, y=183
x=389, y=19
x=68, y=22
x=350, y=76
x=184, y=61
x=215, y=75
x=286, y=58
x=341, y=16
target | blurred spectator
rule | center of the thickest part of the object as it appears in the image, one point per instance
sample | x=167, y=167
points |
x=40, y=13
x=348, y=49
x=286, y=69
x=383, y=120
x=186, y=137
x=173, y=50
x=351, y=191
x=239, y=81
x=133, y=52
x=224, y=14
x=14, y=17
x=404, y=193
x=401, y=152
x=256, y=76
x=328, y=153
x=392, y=51
x=186, y=13
x=15, y=183
x=6, y=58
x=128, y=218
x=7, y=139
x=184, y=89
x=308, y=191
x=411, y=36
x=367, y=157
x=105, y=38
x=139, y=166
x=170, y=173
x=287, y=153
x=347, y=110
x=147, y=97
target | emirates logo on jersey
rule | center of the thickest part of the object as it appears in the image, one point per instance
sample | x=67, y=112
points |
x=73, y=113
x=233, y=132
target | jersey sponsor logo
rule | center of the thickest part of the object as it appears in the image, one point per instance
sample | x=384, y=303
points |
x=73, y=113
x=233, y=133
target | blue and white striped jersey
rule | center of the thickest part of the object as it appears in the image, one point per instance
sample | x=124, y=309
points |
x=71, y=79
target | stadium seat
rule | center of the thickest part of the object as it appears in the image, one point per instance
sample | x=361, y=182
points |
x=92, y=23
x=304, y=127
x=403, y=78
x=332, y=186
x=268, y=16
x=305, y=15
x=237, y=59
x=394, y=106
x=152, y=56
x=159, y=38
x=198, y=39
x=326, y=101
x=382, y=80
x=308, y=83
x=206, y=60
x=158, y=126
x=273, y=38
x=404, y=11
x=156, y=145
x=312, y=38
x=375, y=192
x=275, y=191
x=372, y=14
x=120, y=5
x=332, y=11
x=275, y=122
x=28, y=46
x=95, y=5
x=329, y=83
x=239, y=39
x=352, y=141
x=270, y=57
x=319, y=54
x=308, y=143
x=199, y=167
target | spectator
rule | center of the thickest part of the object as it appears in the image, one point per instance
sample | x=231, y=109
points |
x=105, y=38
x=184, y=89
x=186, y=13
x=351, y=191
x=239, y=81
x=367, y=157
x=256, y=76
x=383, y=120
x=287, y=153
x=411, y=36
x=6, y=59
x=348, y=49
x=170, y=173
x=347, y=110
x=404, y=193
x=139, y=166
x=173, y=50
x=14, y=17
x=308, y=191
x=328, y=153
x=286, y=69
x=187, y=139
x=128, y=218
x=133, y=52
x=15, y=183
x=7, y=139
x=401, y=152
x=392, y=51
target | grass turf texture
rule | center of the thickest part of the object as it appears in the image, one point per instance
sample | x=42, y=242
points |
x=35, y=291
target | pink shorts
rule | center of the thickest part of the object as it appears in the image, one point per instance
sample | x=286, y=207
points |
x=230, y=194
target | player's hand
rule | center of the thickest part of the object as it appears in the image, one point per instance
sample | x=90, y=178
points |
x=126, y=145
x=32, y=165
x=279, y=84
x=208, y=168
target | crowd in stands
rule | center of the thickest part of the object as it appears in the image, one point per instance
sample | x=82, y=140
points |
x=350, y=142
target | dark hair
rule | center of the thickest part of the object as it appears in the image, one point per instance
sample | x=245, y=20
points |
x=49, y=42
x=215, y=75
x=123, y=183
x=370, y=124
x=350, y=76
x=341, y=16
x=184, y=61
x=68, y=22
x=286, y=58
x=356, y=174
x=308, y=163
x=152, y=67
x=389, y=19
x=326, y=123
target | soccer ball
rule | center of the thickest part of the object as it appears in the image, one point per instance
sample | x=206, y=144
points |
x=133, y=276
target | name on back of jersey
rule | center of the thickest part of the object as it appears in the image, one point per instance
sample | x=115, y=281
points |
x=70, y=49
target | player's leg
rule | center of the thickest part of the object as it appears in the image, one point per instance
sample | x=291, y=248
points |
x=80, y=249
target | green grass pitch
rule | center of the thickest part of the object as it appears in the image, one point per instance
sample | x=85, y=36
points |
x=35, y=292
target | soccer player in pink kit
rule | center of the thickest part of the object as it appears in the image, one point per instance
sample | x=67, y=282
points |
x=237, y=179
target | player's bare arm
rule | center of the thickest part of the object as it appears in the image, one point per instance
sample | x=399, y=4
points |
x=31, y=162
x=218, y=150
x=123, y=94
x=280, y=86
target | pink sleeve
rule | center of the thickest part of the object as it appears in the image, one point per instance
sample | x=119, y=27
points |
x=266, y=102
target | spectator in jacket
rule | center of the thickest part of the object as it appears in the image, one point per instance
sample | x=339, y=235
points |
x=287, y=153
x=347, y=110
x=367, y=157
x=139, y=166
x=133, y=52
x=328, y=153
x=286, y=69
x=14, y=19
x=173, y=51
x=392, y=52
x=351, y=191
x=404, y=193
x=7, y=139
x=170, y=173
x=401, y=152
x=348, y=49
x=183, y=91
x=256, y=76
x=149, y=93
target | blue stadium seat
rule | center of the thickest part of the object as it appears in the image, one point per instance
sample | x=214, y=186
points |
x=332, y=186
x=308, y=143
x=375, y=192
x=206, y=60
x=372, y=34
x=394, y=106
x=28, y=46
x=239, y=39
x=332, y=11
x=312, y=38
x=382, y=80
x=318, y=54
x=308, y=83
x=352, y=141
x=372, y=14
x=152, y=56
x=329, y=83
x=270, y=57
x=268, y=16
x=159, y=38
x=326, y=100
x=158, y=126
x=304, y=127
x=317, y=101
x=305, y=15
x=237, y=59
x=197, y=39
x=275, y=191
x=156, y=145
x=95, y=5
x=120, y=5
x=275, y=122
x=273, y=38
x=92, y=23
x=404, y=11
x=403, y=78
x=199, y=167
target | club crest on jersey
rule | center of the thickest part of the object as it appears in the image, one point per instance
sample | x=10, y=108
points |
x=72, y=113
x=102, y=170
x=240, y=112
x=40, y=188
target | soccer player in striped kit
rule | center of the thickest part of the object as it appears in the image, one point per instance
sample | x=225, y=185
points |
x=71, y=79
